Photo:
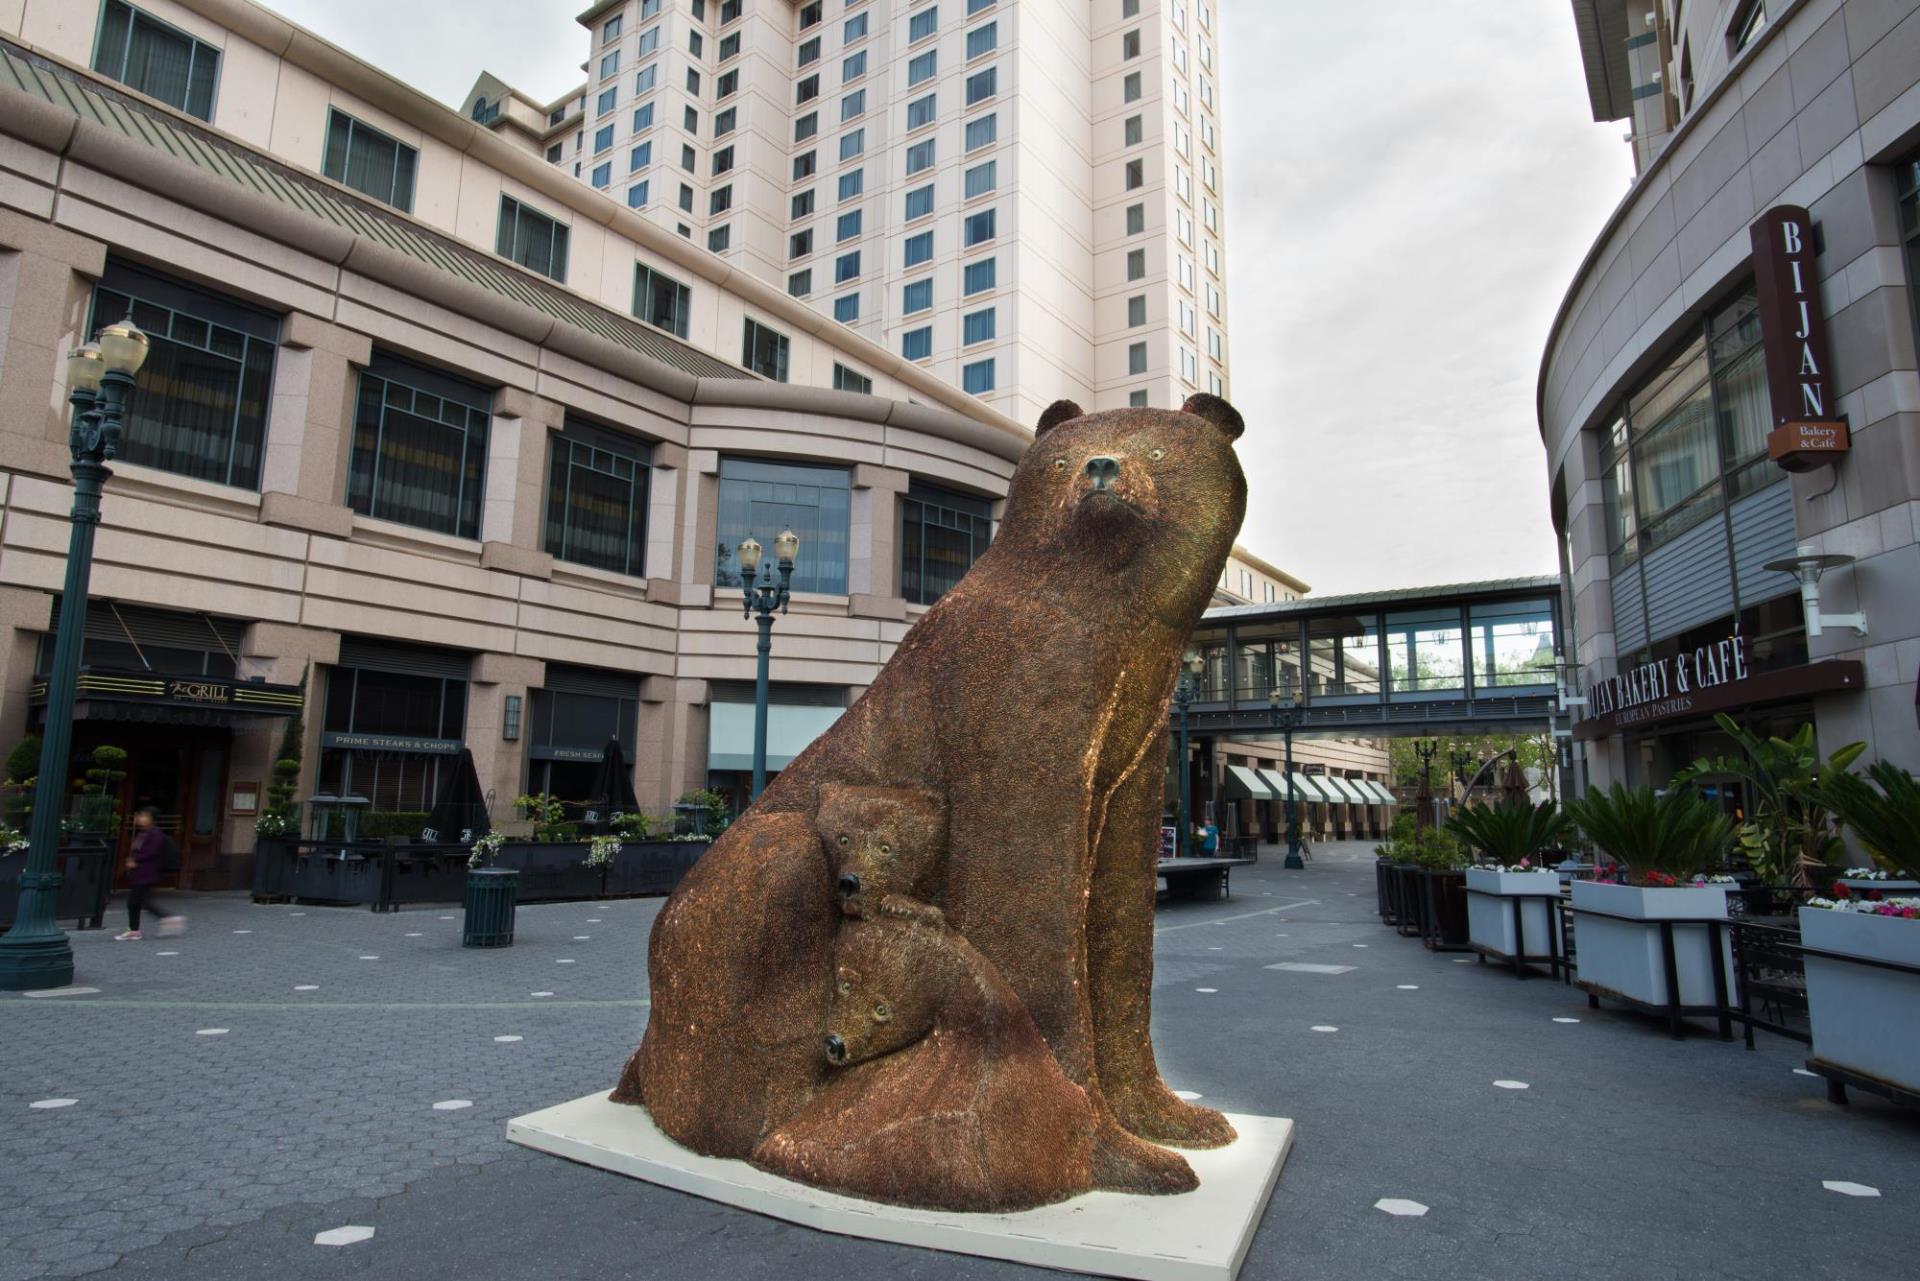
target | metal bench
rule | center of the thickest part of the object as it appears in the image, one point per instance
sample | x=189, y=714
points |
x=1201, y=878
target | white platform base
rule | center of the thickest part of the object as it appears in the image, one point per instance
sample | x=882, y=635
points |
x=1199, y=1236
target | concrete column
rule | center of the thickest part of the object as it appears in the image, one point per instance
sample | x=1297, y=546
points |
x=501, y=766
x=654, y=775
x=515, y=483
x=46, y=291
x=25, y=616
x=668, y=479
x=280, y=654
x=873, y=545
x=698, y=527
x=309, y=445
x=687, y=758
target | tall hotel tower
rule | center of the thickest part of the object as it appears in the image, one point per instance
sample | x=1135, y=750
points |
x=1024, y=196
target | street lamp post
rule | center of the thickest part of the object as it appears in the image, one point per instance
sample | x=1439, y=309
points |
x=1286, y=719
x=1185, y=690
x=1426, y=749
x=764, y=599
x=35, y=953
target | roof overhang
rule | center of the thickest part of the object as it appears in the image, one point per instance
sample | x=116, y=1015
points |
x=1602, y=25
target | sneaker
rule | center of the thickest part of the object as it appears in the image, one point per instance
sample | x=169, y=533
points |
x=171, y=925
x=129, y=936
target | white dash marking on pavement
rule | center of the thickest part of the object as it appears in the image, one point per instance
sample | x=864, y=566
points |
x=568, y=960
x=1408, y=987
x=452, y=1105
x=46, y=1104
x=1309, y=967
x=540, y=994
x=1325, y=1027
x=1804, y=1072
x=351, y=1234
x=506, y=1040
x=1402, y=1208
x=1206, y=989
x=1359, y=944
x=1564, y=1019
x=414, y=936
x=1463, y=960
x=1844, y=1188
x=211, y=1031
x=581, y=938
x=446, y=918
x=1510, y=1085
x=64, y=991
x=369, y=958
x=166, y=953
x=306, y=987
x=243, y=931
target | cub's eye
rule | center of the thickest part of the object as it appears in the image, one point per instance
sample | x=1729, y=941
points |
x=885, y=848
x=843, y=838
x=882, y=1012
x=1155, y=455
x=1059, y=464
x=843, y=987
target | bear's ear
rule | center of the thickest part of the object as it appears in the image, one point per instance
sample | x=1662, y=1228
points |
x=1216, y=411
x=1060, y=411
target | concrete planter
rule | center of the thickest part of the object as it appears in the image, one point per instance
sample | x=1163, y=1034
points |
x=1617, y=931
x=1490, y=924
x=1866, y=1020
x=1861, y=887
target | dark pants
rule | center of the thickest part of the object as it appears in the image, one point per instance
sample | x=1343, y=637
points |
x=141, y=897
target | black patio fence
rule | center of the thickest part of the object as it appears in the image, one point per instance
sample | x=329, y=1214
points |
x=388, y=877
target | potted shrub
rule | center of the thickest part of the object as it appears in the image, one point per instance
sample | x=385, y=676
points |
x=1427, y=889
x=492, y=895
x=1663, y=845
x=1790, y=836
x=1512, y=895
x=1866, y=1017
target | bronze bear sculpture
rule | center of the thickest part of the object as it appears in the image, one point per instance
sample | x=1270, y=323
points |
x=1032, y=701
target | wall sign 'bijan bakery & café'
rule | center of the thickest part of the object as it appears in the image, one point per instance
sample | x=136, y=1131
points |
x=1715, y=677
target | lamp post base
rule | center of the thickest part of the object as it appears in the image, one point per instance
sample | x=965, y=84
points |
x=1295, y=861
x=35, y=954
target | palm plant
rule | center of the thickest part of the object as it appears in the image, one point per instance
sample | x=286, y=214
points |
x=1789, y=835
x=1507, y=834
x=1883, y=815
x=1677, y=832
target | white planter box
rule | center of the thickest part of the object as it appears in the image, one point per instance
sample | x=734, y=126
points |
x=1865, y=1019
x=1490, y=920
x=1624, y=956
x=1887, y=889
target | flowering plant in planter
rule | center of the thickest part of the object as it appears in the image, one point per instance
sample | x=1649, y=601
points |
x=1882, y=811
x=1510, y=834
x=1660, y=839
x=1524, y=865
x=12, y=840
x=601, y=849
x=487, y=849
x=1907, y=908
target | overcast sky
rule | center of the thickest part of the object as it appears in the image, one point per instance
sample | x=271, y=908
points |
x=1410, y=185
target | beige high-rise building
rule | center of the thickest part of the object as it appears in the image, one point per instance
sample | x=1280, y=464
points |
x=1023, y=197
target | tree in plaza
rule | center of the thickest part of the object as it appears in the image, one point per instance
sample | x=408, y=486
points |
x=1535, y=751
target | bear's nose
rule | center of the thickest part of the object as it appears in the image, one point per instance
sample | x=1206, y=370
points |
x=1104, y=470
x=836, y=1049
x=849, y=885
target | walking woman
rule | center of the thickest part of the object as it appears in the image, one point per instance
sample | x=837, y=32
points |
x=154, y=855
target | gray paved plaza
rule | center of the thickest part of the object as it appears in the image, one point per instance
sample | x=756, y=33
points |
x=274, y=1074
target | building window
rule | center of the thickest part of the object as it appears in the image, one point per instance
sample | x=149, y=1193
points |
x=853, y=145
x=1137, y=399
x=643, y=118
x=978, y=228
x=720, y=239
x=637, y=195
x=855, y=28
x=1749, y=20
x=800, y=283
x=809, y=52
x=976, y=379
x=916, y=296
x=805, y=165
x=923, y=68
x=917, y=344
x=611, y=28
x=369, y=161
x=847, y=227
x=722, y=161
x=602, y=138
x=854, y=104
x=150, y=57
x=1135, y=131
x=808, y=89
x=1136, y=219
x=920, y=112
x=720, y=200
x=846, y=267
x=649, y=41
x=761, y=498
x=977, y=6
x=981, y=179
x=982, y=132
x=977, y=327
x=1136, y=358
x=800, y=244
x=811, y=14
x=422, y=699
x=727, y=85
x=923, y=24
x=1189, y=366
x=1693, y=437
x=645, y=79
x=802, y=204
x=982, y=85
x=983, y=40
x=1130, y=44
x=919, y=202
x=977, y=277
x=846, y=309
x=1136, y=311
x=729, y=46
x=845, y=379
x=853, y=67
x=201, y=408
x=852, y=183
x=1424, y=650
x=597, y=499
x=553, y=154
x=640, y=157
x=1130, y=87
x=419, y=447
x=686, y=203
x=568, y=725
x=725, y=121
x=941, y=534
x=661, y=301
x=1136, y=264
x=602, y=174
x=919, y=248
x=609, y=99
x=919, y=156
x=729, y=10
x=764, y=351
x=532, y=239
x=1136, y=174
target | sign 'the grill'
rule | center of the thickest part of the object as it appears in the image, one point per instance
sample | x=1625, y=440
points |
x=1793, y=333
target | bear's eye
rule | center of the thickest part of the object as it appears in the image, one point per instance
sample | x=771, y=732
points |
x=843, y=838
x=882, y=1012
x=1156, y=454
x=844, y=988
x=885, y=848
x=1059, y=464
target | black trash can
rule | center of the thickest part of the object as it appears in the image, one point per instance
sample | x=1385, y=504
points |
x=492, y=894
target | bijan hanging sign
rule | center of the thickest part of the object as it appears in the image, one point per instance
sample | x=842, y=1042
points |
x=1807, y=429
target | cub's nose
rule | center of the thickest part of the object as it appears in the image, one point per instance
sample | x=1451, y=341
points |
x=849, y=885
x=836, y=1049
x=1103, y=470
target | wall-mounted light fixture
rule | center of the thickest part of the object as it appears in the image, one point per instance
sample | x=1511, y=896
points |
x=1807, y=565
x=510, y=719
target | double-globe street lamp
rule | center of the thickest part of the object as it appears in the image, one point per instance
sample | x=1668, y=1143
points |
x=35, y=953
x=764, y=599
x=1287, y=715
x=1185, y=689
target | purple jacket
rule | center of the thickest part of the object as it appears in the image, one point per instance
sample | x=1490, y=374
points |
x=149, y=857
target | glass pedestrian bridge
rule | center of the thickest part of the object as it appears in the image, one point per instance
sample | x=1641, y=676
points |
x=1467, y=658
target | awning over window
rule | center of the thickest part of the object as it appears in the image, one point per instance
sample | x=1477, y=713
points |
x=1381, y=792
x=789, y=730
x=1306, y=789
x=1246, y=784
x=1349, y=791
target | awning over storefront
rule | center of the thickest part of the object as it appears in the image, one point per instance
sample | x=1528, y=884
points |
x=157, y=698
x=1350, y=790
x=1379, y=791
x=789, y=730
x=1312, y=788
x=1245, y=784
